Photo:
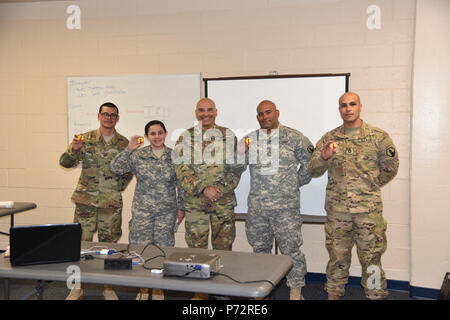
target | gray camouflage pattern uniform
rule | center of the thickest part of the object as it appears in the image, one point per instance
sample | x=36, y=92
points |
x=157, y=197
x=98, y=195
x=274, y=198
x=360, y=167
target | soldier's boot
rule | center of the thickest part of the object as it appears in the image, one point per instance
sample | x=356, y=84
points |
x=143, y=294
x=75, y=294
x=333, y=297
x=375, y=297
x=108, y=293
x=157, y=294
x=296, y=294
x=201, y=296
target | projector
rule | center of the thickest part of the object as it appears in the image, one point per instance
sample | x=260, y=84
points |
x=191, y=265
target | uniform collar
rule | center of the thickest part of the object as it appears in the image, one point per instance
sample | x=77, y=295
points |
x=340, y=133
x=99, y=137
x=150, y=153
x=199, y=126
x=280, y=127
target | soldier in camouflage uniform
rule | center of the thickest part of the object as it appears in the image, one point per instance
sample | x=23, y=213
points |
x=98, y=197
x=360, y=159
x=274, y=198
x=205, y=157
x=206, y=168
x=158, y=197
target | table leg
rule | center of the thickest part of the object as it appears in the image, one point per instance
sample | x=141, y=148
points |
x=6, y=289
x=39, y=289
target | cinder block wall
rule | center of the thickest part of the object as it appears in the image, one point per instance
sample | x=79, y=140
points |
x=216, y=38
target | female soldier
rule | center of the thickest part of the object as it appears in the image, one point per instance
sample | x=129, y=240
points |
x=158, y=197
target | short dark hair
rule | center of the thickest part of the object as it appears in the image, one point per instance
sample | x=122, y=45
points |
x=152, y=123
x=108, y=104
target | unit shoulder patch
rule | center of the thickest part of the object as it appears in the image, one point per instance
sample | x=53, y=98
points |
x=390, y=152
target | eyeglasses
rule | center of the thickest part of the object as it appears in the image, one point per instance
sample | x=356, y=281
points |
x=112, y=116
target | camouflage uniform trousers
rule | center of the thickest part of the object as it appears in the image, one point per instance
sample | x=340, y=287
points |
x=223, y=229
x=108, y=221
x=153, y=228
x=368, y=232
x=285, y=225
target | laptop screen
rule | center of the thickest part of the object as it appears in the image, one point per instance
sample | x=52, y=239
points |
x=49, y=243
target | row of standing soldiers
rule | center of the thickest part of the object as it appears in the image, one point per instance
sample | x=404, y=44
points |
x=358, y=157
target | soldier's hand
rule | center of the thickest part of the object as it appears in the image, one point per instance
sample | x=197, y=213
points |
x=179, y=216
x=242, y=145
x=135, y=142
x=328, y=150
x=77, y=142
x=212, y=193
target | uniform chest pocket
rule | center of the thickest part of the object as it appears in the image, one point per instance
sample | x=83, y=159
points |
x=90, y=156
x=166, y=174
x=366, y=153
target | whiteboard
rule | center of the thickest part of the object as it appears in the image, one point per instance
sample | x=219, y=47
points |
x=170, y=98
x=308, y=103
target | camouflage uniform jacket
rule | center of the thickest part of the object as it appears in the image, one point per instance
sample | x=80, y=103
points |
x=97, y=185
x=157, y=189
x=279, y=189
x=195, y=177
x=357, y=170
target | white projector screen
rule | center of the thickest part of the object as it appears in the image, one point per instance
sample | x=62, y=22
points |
x=308, y=103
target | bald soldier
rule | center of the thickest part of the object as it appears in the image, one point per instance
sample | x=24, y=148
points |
x=205, y=166
x=280, y=169
x=360, y=159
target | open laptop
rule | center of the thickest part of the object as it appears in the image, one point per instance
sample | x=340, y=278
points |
x=49, y=243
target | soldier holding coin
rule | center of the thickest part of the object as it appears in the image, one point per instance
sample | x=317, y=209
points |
x=360, y=159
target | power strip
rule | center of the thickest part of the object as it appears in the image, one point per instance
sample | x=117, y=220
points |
x=118, y=264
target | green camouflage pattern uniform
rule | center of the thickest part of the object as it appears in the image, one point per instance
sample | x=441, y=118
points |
x=98, y=197
x=157, y=197
x=274, y=198
x=195, y=177
x=361, y=165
